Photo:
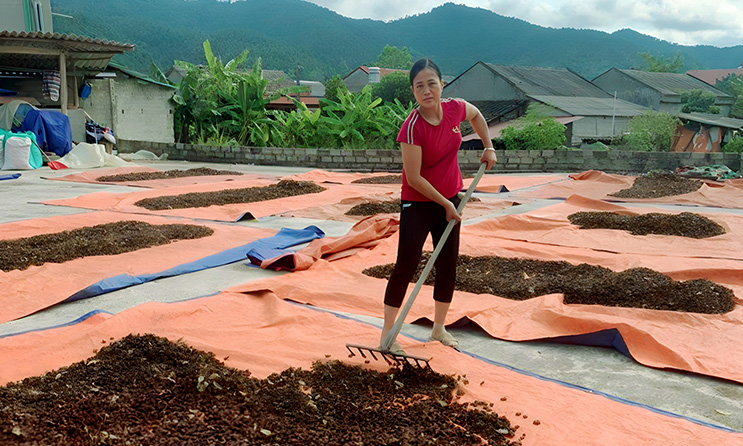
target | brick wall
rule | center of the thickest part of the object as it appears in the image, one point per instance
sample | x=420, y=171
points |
x=391, y=160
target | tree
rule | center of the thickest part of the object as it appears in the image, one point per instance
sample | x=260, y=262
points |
x=733, y=85
x=394, y=85
x=393, y=57
x=699, y=101
x=534, y=131
x=652, y=131
x=662, y=64
x=333, y=88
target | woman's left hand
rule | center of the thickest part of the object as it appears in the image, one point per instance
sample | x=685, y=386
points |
x=488, y=157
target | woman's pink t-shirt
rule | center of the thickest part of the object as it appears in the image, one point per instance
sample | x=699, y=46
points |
x=439, y=147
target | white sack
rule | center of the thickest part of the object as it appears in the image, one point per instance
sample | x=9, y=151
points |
x=85, y=156
x=17, y=154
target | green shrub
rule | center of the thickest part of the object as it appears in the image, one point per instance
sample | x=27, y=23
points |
x=651, y=132
x=735, y=145
x=534, y=131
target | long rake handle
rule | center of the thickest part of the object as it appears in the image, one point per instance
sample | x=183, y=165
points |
x=392, y=335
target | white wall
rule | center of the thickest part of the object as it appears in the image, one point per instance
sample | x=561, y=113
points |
x=599, y=127
x=12, y=17
x=135, y=110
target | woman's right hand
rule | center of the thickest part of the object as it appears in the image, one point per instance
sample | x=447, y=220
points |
x=451, y=212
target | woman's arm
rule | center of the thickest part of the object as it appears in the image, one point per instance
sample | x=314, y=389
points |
x=481, y=128
x=412, y=157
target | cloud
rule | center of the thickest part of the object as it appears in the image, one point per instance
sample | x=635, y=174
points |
x=688, y=22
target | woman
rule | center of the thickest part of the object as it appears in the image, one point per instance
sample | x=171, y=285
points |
x=429, y=139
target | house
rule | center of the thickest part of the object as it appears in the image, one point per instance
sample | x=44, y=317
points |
x=588, y=112
x=135, y=106
x=44, y=68
x=712, y=76
x=658, y=91
x=357, y=79
x=278, y=80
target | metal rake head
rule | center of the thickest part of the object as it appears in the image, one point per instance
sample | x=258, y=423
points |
x=392, y=359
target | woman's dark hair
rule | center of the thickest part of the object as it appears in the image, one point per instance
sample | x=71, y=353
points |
x=422, y=65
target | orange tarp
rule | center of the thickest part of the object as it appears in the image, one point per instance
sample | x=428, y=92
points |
x=91, y=176
x=37, y=287
x=264, y=335
x=598, y=185
x=338, y=211
x=488, y=183
x=325, y=176
x=493, y=183
x=705, y=344
x=550, y=225
x=124, y=202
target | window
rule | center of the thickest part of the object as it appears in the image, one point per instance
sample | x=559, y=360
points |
x=39, y=16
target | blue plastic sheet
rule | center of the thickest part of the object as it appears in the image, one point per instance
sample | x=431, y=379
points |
x=284, y=239
x=52, y=130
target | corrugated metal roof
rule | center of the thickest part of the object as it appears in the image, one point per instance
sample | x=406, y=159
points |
x=711, y=119
x=138, y=75
x=589, y=106
x=70, y=41
x=672, y=84
x=492, y=111
x=82, y=52
x=548, y=81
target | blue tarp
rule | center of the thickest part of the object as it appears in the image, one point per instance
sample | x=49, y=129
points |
x=52, y=130
x=285, y=238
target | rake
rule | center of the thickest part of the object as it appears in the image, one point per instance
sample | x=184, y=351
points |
x=384, y=350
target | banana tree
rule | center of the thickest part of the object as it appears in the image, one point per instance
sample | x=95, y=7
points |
x=301, y=127
x=245, y=110
x=356, y=120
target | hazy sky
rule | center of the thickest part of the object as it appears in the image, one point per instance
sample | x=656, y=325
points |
x=688, y=22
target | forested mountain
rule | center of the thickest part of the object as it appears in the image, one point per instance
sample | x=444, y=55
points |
x=290, y=33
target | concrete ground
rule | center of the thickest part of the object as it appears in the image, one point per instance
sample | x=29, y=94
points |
x=599, y=370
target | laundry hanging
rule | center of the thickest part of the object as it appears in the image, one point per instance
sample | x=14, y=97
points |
x=50, y=85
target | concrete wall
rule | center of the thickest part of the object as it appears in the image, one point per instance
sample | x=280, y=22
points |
x=356, y=81
x=135, y=110
x=480, y=84
x=591, y=127
x=391, y=160
x=629, y=89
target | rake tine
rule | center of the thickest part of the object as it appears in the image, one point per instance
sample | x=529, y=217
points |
x=348, y=347
x=389, y=357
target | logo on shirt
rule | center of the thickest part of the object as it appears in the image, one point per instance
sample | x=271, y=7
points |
x=455, y=129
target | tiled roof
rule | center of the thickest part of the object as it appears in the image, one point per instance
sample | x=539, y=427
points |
x=712, y=76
